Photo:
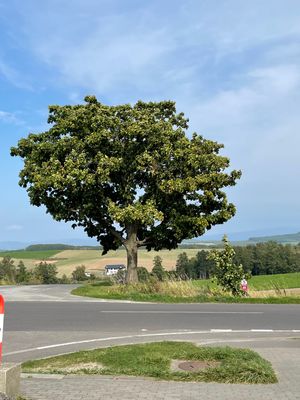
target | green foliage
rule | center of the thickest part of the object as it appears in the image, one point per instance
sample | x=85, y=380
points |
x=143, y=274
x=64, y=279
x=22, y=275
x=158, y=270
x=182, y=266
x=7, y=270
x=198, y=267
x=129, y=166
x=268, y=258
x=79, y=274
x=228, y=275
x=46, y=273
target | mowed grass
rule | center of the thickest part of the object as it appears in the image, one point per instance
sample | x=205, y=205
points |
x=154, y=360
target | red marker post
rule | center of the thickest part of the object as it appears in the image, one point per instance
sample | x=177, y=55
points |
x=1, y=324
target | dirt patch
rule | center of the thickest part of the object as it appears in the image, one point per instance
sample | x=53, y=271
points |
x=192, y=366
x=73, y=369
x=92, y=366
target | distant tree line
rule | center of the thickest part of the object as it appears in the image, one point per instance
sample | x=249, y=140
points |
x=268, y=258
x=259, y=259
x=58, y=246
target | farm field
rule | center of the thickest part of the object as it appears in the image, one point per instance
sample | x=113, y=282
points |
x=67, y=260
x=29, y=255
x=264, y=282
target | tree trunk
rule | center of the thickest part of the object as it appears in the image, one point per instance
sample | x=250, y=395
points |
x=132, y=255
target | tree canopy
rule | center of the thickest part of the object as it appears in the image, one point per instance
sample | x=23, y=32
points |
x=128, y=174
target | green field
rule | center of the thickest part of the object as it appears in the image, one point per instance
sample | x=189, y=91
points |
x=263, y=282
x=29, y=255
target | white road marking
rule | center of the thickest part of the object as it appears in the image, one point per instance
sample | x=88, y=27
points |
x=146, y=335
x=178, y=312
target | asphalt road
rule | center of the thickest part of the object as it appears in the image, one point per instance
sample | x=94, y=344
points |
x=46, y=320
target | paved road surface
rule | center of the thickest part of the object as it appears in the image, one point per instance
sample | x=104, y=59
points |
x=47, y=320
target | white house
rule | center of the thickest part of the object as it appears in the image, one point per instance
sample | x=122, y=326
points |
x=113, y=269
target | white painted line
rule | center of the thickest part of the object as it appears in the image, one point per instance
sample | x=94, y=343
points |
x=149, y=335
x=178, y=312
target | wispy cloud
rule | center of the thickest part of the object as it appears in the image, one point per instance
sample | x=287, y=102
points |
x=233, y=68
x=10, y=118
x=14, y=227
x=12, y=75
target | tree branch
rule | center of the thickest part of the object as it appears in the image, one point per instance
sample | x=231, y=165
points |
x=116, y=234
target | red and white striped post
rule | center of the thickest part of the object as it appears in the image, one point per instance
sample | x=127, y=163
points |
x=1, y=324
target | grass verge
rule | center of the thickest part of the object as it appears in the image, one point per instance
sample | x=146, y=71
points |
x=154, y=360
x=172, y=292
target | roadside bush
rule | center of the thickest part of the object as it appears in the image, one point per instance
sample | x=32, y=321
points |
x=119, y=277
x=143, y=274
x=64, y=279
x=8, y=270
x=228, y=275
x=46, y=273
x=79, y=274
x=158, y=270
x=154, y=286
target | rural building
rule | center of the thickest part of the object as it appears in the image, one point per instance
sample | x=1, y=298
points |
x=113, y=269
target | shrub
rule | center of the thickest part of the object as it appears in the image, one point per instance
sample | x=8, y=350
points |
x=46, y=273
x=143, y=274
x=158, y=270
x=228, y=275
x=79, y=274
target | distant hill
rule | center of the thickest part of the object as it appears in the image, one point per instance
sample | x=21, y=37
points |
x=288, y=238
x=58, y=246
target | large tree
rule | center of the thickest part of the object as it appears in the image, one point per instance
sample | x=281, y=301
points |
x=128, y=174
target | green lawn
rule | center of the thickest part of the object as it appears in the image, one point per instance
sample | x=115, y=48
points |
x=154, y=360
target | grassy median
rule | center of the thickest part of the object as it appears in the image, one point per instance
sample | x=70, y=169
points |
x=223, y=364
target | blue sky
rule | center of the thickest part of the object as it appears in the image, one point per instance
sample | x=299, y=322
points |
x=231, y=66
